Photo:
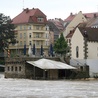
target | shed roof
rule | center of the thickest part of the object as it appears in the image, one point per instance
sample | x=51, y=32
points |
x=50, y=64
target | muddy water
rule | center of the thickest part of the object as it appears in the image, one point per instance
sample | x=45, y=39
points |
x=24, y=88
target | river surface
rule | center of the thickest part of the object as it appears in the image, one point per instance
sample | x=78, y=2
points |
x=25, y=88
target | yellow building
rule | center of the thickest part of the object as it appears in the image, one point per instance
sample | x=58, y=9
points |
x=31, y=28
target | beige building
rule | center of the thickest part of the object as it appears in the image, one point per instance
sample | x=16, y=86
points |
x=76, y=20
x=31, y=28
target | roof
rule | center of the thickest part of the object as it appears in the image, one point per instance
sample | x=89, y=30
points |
x=58, y=23
x=50, y=64
x=69, y=18
x=90, y=33
x=92, y=22
x=70, y=34
x=28, y=15
x=87, y=15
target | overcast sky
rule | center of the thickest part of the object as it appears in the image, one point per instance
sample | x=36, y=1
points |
x=51, y=8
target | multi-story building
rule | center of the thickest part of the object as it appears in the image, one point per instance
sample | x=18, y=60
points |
x=31, y=28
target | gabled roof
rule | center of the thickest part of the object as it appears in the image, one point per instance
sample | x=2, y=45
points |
x=28, y=15
x=58, y=23
x=92, y=22
x=87, y=15
x=90, y=33
x=69, y=18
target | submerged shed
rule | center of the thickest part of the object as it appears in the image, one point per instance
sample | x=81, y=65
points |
x=49, y=69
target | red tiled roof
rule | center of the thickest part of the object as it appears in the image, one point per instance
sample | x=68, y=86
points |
x=57, y=23
x=69, y=18
x=28, y=15
x=87, y=15
x=70, y=34
x=90, y=15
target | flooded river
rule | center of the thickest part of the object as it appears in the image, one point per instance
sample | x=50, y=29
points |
x=24, y=88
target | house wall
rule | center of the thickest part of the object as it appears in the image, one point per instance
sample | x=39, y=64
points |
x=93, y=65
x=14, y=70
x=92, y=50
x=79, y=18
x=53, y=74
x=27, y=71
x=77, y=40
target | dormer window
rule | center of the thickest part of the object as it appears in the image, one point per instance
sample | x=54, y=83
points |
x=40, y=19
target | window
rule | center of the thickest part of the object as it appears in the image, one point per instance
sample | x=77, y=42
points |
x=77, y=51
x=20, y=35
x=29, y=27
x=20, y=43
x=19, y=68
x=20, y=27
x=46, y=35
x=24, y=35
x=29, y=35
x=15, y=68
x=46, y=43
x=8, y=68
x=37, y=35
x=24, y=42
x=40, y=19
x=29, y=42
x=24, y=27
x=47, y=28
x=11, y=68
x=37, y=43
x=37, y=27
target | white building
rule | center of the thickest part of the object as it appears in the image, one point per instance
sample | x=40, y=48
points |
x=84, y=48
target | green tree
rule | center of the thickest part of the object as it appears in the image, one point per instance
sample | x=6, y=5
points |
x=60, y=46
x=7, y=34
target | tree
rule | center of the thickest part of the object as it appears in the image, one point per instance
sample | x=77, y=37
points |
x=60, y=46
x=7, y=34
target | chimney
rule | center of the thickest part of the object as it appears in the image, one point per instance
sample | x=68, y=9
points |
x=26, y=10
x=71, y=14
x=95, y=15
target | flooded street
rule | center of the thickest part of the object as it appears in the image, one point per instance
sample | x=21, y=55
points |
x=24, y=88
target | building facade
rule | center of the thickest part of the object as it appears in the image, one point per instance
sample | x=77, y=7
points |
x=31, y=28
x=84, y=48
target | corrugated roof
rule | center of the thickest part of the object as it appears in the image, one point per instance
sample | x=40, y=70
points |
x=50, y=64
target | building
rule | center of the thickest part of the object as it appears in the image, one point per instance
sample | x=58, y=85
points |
x=37, y=68
x=73, y=21
x=31, y=29
x=56, y=26
x=84, y=48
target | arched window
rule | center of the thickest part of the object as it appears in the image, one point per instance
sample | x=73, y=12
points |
x=77, y=51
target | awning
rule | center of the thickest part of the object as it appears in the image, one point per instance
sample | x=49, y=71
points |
x=50, y=64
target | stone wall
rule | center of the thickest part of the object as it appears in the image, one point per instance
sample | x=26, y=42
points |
x=18, y=68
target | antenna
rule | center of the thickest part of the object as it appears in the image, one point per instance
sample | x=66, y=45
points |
x=23, y=4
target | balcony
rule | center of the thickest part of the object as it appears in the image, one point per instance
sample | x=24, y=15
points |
x=38, y=38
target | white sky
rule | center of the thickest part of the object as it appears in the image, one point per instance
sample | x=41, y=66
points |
x=51, y=8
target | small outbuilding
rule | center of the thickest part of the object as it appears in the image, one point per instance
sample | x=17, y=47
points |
x=50, y=69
